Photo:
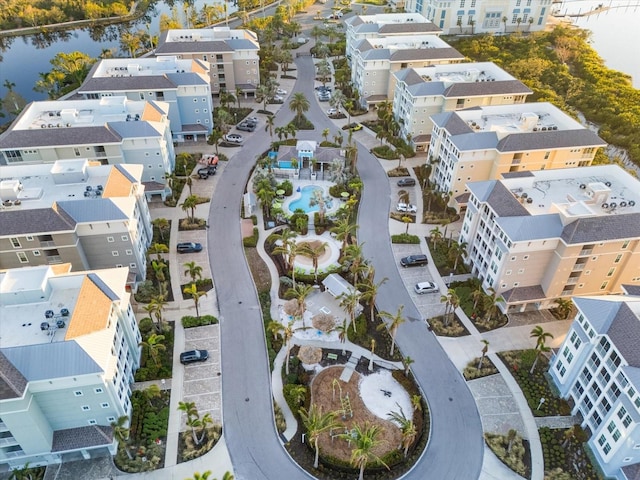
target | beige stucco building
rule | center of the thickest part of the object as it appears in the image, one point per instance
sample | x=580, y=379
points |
x=534, y=237
x=485, y=142
x=232, y=53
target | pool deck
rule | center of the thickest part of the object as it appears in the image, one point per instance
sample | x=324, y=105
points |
x=330, y=258
x=335, y=202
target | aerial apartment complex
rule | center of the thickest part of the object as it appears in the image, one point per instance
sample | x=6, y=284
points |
x=68, y=352
x=483, y=16
x=485, y=142
x=374, y=61
x=232, y=53
x=183, y=84
x=597, y=368
x=537, y=236
x=110, y=130
x=75, y=212
x=419, y=93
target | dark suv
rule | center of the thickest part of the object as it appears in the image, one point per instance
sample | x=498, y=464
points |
x=189, y=247
x=191, y=356
x=414, y=261
x=407, y=182
x=205, y=172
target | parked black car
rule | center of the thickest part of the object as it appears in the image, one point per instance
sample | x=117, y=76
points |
x=414, y=261
x=205, y=172
x=189, y=247
x=192, y=356
x=406, y=182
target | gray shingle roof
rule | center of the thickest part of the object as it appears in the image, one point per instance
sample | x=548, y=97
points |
x=624, y=332
x=471, y=89
x=137, y=82
x=241, y=44
x=532, y=227
x=602, y=228
x=408, y=28
x=186, y=78
x=633, y=375
x=632, y=472
x=49, y=137
x=39, y=220
x=524, y=294
x=451, y=122
x=410, y=54
x=475, y=141
x=599, y=312
x=633, y=290
x=504, y=203
x=549, y=140
x=170, y=48
x=98, y=209
x=12, y=382
x=81, y=437
x=51, y=360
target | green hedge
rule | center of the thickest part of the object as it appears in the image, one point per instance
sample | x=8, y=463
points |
x=405, y=238
x=251, y=241
x=188, y=321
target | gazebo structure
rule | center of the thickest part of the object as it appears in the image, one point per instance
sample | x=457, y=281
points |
x=310, y=159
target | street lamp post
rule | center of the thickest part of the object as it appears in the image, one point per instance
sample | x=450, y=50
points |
x=542, y=400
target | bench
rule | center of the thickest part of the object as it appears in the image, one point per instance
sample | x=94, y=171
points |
x=332, y=356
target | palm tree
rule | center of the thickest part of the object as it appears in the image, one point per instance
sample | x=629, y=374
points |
x=195, y=295
x=354, y=257
x=416, y=402
x=189, y=408
x=285, y=238
x=121, y=433
x=162, y=224
x=452, y=301
x=407, y=427
x=343, y=230
x=299, y=104
x=214, y=138
x=491, y=304
x=350, y=300
x=190, y=204
x=159, y=268
x=518, y=22
x=204, y=421
x=325, y=134
x=287, y=335
x=157, y=249
x=298, y=393
x=314, y=253
x=193, y=270
x=370, y=291
x=269, y=125
x=541, y=337
x=435, y=235
x=200, y=476
x=300, y=292
x=407, y=361
x=478, y=296
x=266, y=195
x=564, y=307
x=457, y=250
x=342, y=334
x=316, y=423
x=505, y=20
x=154, y=346
x=485, y=349
x=155, y=308
x=151, y=392
x=365, y=439
x=394, y=322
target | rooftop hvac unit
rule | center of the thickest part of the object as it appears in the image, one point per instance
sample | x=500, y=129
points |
x=632, y=203
x=613, y=205
x=605, y=206
x=623, y=204
x=529, y=200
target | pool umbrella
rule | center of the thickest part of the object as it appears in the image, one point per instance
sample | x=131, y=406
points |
x=323, y=322
x=292, y=308
x=310, y=355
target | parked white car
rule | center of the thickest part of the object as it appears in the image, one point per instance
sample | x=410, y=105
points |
x=281, y=92
x=406, y=207
x=332, y=111
x=234, y=138
x=425, y=287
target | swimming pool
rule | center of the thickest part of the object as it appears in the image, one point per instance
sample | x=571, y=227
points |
x=285, y=164
x=303, y=202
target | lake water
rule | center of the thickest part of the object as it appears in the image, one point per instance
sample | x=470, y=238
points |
x=26, y=57
x=614, y=32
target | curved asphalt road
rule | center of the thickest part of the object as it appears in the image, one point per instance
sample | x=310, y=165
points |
x=455, y=449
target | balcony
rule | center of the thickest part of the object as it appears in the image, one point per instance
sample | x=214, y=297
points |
x=578, y=267
x=54, y=259
x=586, y=251
x=572, y=280
x=47, y=243
x=8, y=441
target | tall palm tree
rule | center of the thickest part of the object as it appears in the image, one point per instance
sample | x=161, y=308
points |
x=300, y=292
x=491, y=304
x=407, y=427
x=269, y=125
x=157, y=249
x=200, y=476
x=163, y=225
x=317, y=422
x=314, y=253
x=485, y=349
x=342, y=334
x=189, y=408
x=540, y=350
x=156, y=308
x=159, y=271
x=350, y=300
x=287, y=335
x=299, y=104
x=394, y=322
x=193, y=270
x=195, y=295
x=365, y=439
x=451, y=301
x=343, y=230
x=370, y=291
x=151, y=392
x=407, y=361
x=457, y=251
x=541, y=338
x=435, y=235
x=121, y=433
x=154, y=346
x=285, y=238
x=190, y=204
x=354, y=257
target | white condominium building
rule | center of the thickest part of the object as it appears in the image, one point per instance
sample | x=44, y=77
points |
x=597, y=368
x=68, y=352
x=110, y=130
x=484, y=16
x=537, y=236
x=183, y=84
x=419, y=93
x=485, y=142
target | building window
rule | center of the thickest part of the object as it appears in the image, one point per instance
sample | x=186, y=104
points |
x=603, y=285
x=78, y=393
x=15, y=243
x=98, y=390
x=526, y=257
x=22, y=257
x=606, y=449
x=618, y=258
x=125, y=238
x=86, y=408
x=132, y=265
x=129, y=252
x=115, y=253
x=110, y=239
x=36, y=253
x=92, y=421
x=625, y=244
x=104, y=405
x=111, y=419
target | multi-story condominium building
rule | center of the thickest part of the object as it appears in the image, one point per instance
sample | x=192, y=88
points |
x=111, y=130
x=233, y=55
x=598, y=369
x=421, y=92
x=381, y=25
x=374, y=62
x=534, y=237
x=484, y=16
x=485, y=142
x=68, y=352
x=183, y=84
x=90, y=217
